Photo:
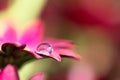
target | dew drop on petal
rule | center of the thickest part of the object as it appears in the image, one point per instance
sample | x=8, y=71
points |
x=44, y=48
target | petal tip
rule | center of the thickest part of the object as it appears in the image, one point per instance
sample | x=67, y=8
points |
x=38, y=76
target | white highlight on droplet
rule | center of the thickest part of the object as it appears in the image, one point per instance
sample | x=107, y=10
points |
x=44, y=49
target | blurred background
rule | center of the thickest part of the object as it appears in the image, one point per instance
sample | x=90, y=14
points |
x=93, y=25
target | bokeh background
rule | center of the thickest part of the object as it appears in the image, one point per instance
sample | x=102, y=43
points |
x=93, y=25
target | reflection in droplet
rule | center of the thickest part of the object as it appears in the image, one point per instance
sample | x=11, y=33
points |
x=44, y=48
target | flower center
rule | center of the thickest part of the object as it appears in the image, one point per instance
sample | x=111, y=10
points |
x=11, y=54
x=44, y=48
x=10, y=47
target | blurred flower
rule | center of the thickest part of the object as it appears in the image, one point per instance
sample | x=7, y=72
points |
x=3, y=4
x=81, y=71
x=105, y=13
x=96, y=12
x=10, y=73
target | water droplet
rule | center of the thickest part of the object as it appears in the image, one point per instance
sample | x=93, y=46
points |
x=44, y=49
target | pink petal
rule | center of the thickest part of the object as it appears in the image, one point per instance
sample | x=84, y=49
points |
x=36, y=55
x=38, y=76
x=33, y=35
x=1, y=42
x=61, y=47
x=55, y=55
x=8, y=33
x=69, y=53
x=60, y=43
x=9, y=73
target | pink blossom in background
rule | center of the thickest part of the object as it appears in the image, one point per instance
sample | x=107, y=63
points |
x=81, y=71
x=10, y=73
x=84, y=12
x=100, y=12
x=3, y=4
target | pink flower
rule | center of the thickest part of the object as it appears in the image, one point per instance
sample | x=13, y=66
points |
x=10, y=73
x=32, y=38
